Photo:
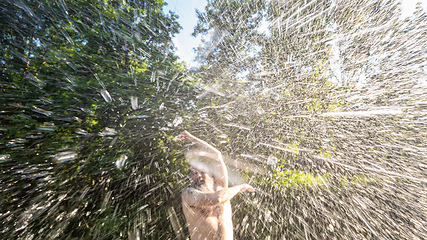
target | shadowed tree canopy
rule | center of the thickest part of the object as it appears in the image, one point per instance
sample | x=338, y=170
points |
x=89, y=90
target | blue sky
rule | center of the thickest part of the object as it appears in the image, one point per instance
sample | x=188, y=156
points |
x=184, y=42
x=186, y=10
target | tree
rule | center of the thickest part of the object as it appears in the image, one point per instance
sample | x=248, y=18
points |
x=90, y=92
x=307, y=134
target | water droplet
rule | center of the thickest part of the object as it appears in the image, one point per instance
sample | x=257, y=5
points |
x=177, y=121
x=137, y=117
x=82, y=132
x=16, y=142
x=138, y=36
x=176, y=225
x=272, y=160
x=209, y=89
x=106, y=95
x=4, y=157
x=134, y=102
x=64, y=156
x=120, y=162
x=41, y=111
x=73, y=213
x=23, y=6
x=268, y=216
x=47, y=126
x=153, y=77
x=108, y=132
x=162, y=106
x=35, y=81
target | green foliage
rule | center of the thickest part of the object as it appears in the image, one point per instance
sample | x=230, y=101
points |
x=290, y=178
x=272, y=94
x=69, y=70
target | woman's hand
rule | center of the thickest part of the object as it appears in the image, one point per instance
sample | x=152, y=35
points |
x=246, y=187
x=186, y=137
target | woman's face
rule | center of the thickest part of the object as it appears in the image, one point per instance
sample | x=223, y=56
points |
x=199, y=176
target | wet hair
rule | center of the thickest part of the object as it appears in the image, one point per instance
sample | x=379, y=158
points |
x=200, y=166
